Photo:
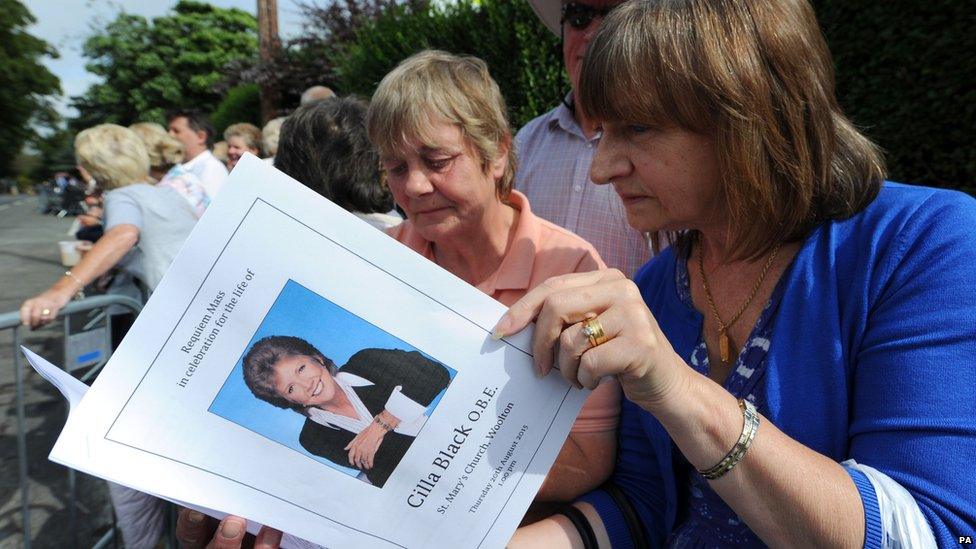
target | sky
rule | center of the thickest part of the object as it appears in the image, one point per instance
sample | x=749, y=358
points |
x=66, y=23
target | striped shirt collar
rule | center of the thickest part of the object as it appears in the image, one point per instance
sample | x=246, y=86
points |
x=562, y=117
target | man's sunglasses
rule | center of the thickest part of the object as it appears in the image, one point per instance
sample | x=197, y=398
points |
x=579, y=16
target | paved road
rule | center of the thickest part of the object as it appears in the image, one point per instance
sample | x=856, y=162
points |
x=29, y=263
x=7, y=199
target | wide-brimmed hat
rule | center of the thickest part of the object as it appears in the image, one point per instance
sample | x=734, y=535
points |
x=549, y=12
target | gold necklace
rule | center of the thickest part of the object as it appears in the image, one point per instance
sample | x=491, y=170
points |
x=723, y=327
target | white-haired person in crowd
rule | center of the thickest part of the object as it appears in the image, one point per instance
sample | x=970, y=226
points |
x=270, y=134
x=145, y=226
x=241, y=138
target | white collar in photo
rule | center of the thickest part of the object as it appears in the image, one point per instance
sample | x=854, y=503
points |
x=346, y=382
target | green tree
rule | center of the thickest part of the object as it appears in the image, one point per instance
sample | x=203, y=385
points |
x=55, y=152
x=307, y=59
x=241, y=104
x=522, y=55
x=173, y=61
x=24, y=100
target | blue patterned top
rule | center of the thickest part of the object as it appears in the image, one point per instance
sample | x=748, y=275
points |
x=871, y=359
x=708, y=521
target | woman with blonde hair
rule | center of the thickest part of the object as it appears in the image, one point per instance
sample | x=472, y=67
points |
x=145, y=226
x=241, y=138
x=270, y=134
x=799, y=366
x=165, y=158
x=164, y=151
x=439, y=122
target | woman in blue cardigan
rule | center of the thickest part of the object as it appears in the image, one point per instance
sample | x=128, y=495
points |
x=800, y=364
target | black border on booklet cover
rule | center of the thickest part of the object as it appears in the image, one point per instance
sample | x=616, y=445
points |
x=405, y=283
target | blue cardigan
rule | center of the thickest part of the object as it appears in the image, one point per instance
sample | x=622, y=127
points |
x=873, y=358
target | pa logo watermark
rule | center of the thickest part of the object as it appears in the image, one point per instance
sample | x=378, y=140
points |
x=965, y=540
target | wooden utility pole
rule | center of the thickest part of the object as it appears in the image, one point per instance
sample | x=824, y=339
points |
x=268, y=43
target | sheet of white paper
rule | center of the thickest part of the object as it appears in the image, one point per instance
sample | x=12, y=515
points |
x=73, y=390
x=168, y=415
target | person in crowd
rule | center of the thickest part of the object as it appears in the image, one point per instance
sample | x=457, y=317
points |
x=439, y=123
x=798, y=365
x=220, y=152
x=316, y=93
x=241, y=138
x=555, y=150
x=165, y=153
x=194, y=131
x=164, y=150
x=145, y=226
x=139, y=218
x=165, y=157
x=364, y=414
x=324, y=146
x=270, y=134
x=90, y=222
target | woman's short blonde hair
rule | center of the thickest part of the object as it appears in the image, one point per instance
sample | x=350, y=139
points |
x=220, y=151
x=433, y=86
x=113, y=155
x=270, y=134
x=249, y=132
x=164, y=150
x=757, y=78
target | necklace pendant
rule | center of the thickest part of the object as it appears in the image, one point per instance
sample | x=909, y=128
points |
x=723, y=347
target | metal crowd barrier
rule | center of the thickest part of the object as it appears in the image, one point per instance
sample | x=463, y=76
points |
x=11, y=321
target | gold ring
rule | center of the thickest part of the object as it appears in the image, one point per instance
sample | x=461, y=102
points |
x=593, y=331
x=45, y=312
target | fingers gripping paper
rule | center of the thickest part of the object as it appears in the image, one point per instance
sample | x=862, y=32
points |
x=260, y=378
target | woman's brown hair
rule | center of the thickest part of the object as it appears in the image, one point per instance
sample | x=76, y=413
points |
x=260, y=361
x=757, y=78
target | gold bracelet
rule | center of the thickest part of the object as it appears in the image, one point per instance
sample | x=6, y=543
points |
x=80, y=294
x=77, y=280
x=750, y=425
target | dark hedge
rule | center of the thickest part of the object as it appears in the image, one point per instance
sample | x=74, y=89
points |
x=905, y=70
x=522, y=55
x=906, y=75
x=241, y=104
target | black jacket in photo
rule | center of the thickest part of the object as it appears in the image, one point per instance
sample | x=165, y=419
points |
x=420, y=378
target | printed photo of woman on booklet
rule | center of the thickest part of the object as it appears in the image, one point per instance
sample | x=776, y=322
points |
x=365, y=413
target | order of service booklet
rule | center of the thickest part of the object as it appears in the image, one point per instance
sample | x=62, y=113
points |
x=280, y=300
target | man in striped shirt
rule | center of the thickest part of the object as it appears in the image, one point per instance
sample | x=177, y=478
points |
x=555, y=151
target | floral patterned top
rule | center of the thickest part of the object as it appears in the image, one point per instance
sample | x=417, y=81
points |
x=188, y=185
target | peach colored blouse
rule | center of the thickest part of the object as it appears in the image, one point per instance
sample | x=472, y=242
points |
x=540, y=250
